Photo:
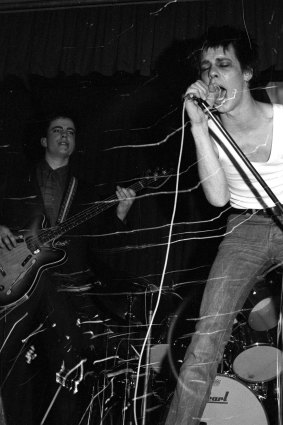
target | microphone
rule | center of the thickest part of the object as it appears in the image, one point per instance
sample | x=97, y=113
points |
x=214, y=89
x=201, y=103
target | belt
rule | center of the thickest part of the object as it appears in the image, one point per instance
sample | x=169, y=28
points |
x=266, y=212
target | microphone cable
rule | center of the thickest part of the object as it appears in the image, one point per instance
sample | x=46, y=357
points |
x=164, y=266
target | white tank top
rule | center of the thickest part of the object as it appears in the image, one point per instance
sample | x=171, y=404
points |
x=246, y=191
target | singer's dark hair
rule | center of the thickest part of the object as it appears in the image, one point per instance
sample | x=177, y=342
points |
x=245, y=47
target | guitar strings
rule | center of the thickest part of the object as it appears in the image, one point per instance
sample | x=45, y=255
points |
x=82, y=216
x=46, y=235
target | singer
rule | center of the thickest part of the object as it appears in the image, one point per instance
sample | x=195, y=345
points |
x=226, y=59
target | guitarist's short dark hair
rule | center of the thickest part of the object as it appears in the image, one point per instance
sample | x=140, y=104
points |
x=38, y=128
x=58, y=114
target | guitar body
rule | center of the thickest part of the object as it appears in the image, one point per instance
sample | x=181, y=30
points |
x=20, y=270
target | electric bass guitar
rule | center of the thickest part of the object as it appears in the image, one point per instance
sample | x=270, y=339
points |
x=22, y=266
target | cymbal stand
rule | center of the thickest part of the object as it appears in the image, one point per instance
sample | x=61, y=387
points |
x=128, y=378
x=147, y=367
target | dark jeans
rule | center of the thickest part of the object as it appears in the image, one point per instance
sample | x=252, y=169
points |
x=251, y=245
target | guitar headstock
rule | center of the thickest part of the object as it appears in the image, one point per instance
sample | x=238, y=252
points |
x=159, y=172
x=157, y=178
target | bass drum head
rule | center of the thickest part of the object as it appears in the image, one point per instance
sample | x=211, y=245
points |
x=231, y=402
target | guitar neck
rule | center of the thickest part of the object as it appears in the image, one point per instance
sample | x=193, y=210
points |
x=49, y=235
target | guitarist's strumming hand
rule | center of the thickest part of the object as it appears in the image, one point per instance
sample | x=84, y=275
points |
x=7, y=239
x=126, y=198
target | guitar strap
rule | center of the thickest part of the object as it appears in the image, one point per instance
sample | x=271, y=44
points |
x=2, y=415
x=68, y=199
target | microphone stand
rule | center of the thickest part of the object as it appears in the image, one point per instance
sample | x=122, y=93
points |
x=205, y=107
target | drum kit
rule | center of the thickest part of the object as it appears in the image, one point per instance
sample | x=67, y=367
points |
x=247, y=386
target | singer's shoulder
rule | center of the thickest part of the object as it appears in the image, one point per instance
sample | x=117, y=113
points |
x=278, y=106
x=267, y=109
x=277, y=111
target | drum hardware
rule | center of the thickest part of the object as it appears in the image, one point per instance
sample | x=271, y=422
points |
x=159, y=350
x=260, y=389
x=30, y=355
x=115, y=392
x=129, y=382
x=147, y=299
x=131, y=302
x=71, y=379
x=129, y=315
x=225, y=367
x=276, y=390
x=164, y=327
x=120, y=393
x=147, y=365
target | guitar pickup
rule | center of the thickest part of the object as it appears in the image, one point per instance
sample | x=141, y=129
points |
x=26, y=260
x=20, y=239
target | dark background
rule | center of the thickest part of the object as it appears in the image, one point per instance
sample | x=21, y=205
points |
x=122, y=69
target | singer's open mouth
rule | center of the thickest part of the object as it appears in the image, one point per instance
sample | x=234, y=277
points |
x=221, y=94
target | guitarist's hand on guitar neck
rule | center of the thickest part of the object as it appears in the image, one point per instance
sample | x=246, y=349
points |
x=126, y=198
x=7, y=239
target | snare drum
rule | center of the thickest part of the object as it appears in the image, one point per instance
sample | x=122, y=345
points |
x=231, y=402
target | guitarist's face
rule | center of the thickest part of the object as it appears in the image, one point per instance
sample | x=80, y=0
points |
x=59, y=142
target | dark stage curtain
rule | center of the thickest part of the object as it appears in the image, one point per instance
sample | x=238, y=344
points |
x=122, y=70
x=126, y=38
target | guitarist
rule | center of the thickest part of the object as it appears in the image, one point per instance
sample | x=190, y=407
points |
x=49, y=316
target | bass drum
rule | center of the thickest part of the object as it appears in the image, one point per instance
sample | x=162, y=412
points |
x=231, y=402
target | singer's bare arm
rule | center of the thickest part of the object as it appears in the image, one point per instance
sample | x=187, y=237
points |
x=211, y=173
